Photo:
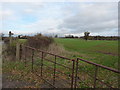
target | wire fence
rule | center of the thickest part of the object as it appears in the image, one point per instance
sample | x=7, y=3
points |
x=62, y=72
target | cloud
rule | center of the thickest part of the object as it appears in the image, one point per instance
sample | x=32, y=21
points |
x=32, y=7
x=43, y=26
x=28, y=10
x=62, y=18
x=59, y=0
x=6, y=14
x=95, y=17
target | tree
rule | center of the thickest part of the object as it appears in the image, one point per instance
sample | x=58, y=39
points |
x=56, y=36
x=19, y=36
x=1, y=35
x=86, y=35
x=69, y=36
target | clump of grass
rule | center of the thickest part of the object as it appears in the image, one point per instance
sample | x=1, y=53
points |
x=59, y=49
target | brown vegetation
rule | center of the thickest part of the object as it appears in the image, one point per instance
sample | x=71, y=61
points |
x=39, y=41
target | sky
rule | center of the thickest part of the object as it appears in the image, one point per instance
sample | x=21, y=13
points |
x=61, y=18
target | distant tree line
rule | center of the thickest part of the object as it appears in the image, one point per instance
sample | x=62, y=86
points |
x=86, y=37
x=71, y=36
x=95, y=37
x=102, y=38
x=22, y=37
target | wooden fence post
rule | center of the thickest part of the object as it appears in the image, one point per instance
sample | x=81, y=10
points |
x=18, y=51
x=10, y=37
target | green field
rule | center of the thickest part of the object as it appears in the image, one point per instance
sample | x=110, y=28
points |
x=99, y=51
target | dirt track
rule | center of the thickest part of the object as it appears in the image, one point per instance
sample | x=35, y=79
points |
x=8, y=83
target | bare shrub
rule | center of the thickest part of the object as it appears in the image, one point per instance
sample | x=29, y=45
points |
x=39, y=41
x=6, y=40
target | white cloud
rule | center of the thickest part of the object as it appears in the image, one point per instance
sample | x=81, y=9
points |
x=29, y=10
x=95, y=17
x=6, y=13
x=43, y=26
x=59, y=0
x=68, y=18
x=32, y=7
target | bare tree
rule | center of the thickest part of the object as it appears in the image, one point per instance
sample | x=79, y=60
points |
x=86, y=35
x=56, y=36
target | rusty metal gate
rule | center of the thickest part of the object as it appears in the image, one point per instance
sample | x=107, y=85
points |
x=62, y=72
x=55, y=74
x=99, y=76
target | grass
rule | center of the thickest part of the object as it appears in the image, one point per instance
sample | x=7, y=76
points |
x=102, y=52
x=19, y=72
x=99, y=51
x=22, y=41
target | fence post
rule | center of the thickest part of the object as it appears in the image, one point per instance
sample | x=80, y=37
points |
x=25, y=51
x=54, y=71
x=10, y=37
x=96, y=69
x=32, y=58
x=18, y=51
x=72, y=80
x=76, y=73
x=42, y=64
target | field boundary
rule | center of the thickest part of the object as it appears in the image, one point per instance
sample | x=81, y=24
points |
x=73, y=67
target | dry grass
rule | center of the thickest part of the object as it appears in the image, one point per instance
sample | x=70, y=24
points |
x=60, y=50
x=20, y=73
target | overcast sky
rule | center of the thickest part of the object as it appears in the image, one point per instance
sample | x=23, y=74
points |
x=99, y=18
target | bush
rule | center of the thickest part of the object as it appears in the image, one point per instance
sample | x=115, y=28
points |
x=39, y=41
x=6, y=40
